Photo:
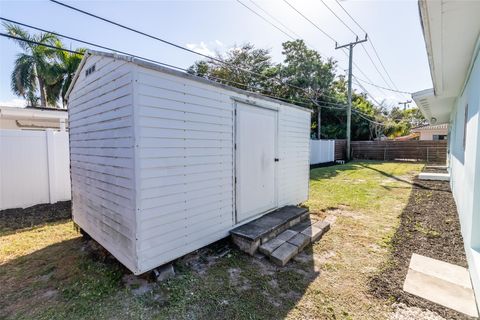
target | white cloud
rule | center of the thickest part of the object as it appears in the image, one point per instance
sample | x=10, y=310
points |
x=201, y=48
x=219, y=43
x=15, y=102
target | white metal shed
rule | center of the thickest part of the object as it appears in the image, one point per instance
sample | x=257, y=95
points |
x=164, y=163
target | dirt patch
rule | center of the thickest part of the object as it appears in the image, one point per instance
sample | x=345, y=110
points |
x=428, y=226
x=15, y=219
x=403, y=312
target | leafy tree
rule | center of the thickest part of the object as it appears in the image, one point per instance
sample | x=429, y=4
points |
x=33, y=66
x=305, y=78
x=402, y=121
x=238, y=59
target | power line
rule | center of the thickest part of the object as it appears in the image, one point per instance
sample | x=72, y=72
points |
x=341, y=20
x=326, y=34
x=351, y=16
x=38, y=43
x=88, y=43
x=376, y=85
x=142, y=58
x=368, y=93
x=375, y=65
x=275, y=19
x=371, y=43
x=331, y=105
x=363, y=45
x=177, y=46
x=311, y=22
x=263, y=18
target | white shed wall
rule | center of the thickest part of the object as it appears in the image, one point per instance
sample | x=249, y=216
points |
x=153, y=160
x=186, y=163
x=102, y=155
x=185, y=166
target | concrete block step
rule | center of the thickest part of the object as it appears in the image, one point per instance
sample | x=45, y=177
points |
x=292, y=241
x=251, y=235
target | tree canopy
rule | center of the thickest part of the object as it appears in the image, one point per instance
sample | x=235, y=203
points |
x=41, y=73
x=306, y=78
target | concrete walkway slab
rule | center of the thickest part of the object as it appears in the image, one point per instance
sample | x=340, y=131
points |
x=437, y=167
x=434, y=176
x=441, y=282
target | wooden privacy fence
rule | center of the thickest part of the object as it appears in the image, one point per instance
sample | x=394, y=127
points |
x=425, y=151
x=340, y=149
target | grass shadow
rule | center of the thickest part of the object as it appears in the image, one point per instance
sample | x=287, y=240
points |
x=77, y=279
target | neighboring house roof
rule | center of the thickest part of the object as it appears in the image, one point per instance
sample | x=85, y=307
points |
x=450, y=29
x=443, y=126
x=32, y=118
x=160, y=68
x=41, y=114
x=411, y=136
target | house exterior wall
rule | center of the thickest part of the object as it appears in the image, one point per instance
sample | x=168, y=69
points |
x=102, y=156
x=464, y=166
x=185, y=159
x=428, y=134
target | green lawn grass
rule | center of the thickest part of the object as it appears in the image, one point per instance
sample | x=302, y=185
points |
x=46, y=273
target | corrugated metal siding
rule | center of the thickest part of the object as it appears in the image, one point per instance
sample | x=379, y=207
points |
x=185, y=160
x=102, y=155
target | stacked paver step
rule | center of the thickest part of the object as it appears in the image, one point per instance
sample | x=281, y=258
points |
x=280, y=234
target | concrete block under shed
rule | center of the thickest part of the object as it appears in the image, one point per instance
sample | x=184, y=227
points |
x=248, y=246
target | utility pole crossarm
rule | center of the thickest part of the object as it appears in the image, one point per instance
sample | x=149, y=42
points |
x=349, y=107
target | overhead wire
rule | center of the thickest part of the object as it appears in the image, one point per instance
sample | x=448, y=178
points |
x=326, y=34
x=218, y=60
x=263, y=18
x=330, y=104
x=311, y=22
x=218, y=79
x=378, y=86
x=371, y=43
x=362, y=44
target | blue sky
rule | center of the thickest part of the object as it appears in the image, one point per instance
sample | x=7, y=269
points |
x=210, y=26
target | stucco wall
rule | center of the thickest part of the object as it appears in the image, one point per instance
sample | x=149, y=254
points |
x=464, y=165
x=428, y=134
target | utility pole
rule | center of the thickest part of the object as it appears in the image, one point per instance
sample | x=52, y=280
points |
x=405, y=104
x=349, y=107
x=319, y=124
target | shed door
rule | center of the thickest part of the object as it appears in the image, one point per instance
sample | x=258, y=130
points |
x=256, y=144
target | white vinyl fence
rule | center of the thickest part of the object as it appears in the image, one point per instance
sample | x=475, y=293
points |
x=322, y=151
x=34, y=168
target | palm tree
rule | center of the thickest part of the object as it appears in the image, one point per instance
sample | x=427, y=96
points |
x=62, y=72
x=33, y=66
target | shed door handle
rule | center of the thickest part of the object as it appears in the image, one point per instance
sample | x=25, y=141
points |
x=276, y=159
